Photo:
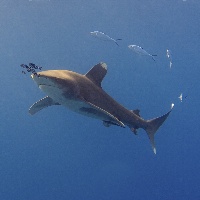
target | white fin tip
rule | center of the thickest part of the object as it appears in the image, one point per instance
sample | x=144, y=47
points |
x=154, y=150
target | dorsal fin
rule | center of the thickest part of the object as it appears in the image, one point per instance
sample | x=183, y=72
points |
x=137, y=112
x=97, y=73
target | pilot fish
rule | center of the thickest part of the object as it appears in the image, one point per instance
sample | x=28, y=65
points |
x=103, y=36
x=139, y=50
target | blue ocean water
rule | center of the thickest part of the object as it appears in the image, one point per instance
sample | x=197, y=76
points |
x=58, y=154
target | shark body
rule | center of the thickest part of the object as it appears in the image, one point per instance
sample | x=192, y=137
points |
x=83, y=94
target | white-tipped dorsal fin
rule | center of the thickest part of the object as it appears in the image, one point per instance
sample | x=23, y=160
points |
x=97, y=73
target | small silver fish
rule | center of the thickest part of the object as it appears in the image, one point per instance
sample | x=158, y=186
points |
x=140, y=50
x=169, y=56
x=103, y=36
x=181, y=97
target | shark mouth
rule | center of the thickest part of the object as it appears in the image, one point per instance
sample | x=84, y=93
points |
x=42, y=84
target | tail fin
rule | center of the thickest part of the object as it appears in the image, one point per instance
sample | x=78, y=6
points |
x=152, y=56
x=116, y=41
x=153, y=126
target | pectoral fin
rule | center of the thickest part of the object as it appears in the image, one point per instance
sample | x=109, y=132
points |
x=42, y=103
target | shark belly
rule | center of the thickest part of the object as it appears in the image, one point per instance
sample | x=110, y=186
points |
x=68, y=101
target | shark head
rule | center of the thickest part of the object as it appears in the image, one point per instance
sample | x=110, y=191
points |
x=57, y=84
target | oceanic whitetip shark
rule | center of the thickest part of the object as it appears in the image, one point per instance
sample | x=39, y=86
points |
x=84, y=94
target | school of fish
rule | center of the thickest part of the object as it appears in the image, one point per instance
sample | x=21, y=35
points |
x=134, y=48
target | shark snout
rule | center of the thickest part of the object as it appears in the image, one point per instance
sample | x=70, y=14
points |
x=41, y=80
x=35, y=77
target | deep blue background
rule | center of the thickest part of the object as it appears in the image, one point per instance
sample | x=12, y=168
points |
x=57, y=154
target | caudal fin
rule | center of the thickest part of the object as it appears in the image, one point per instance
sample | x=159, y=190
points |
x=152, y=56
x=153, y=126
x=116, y=41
